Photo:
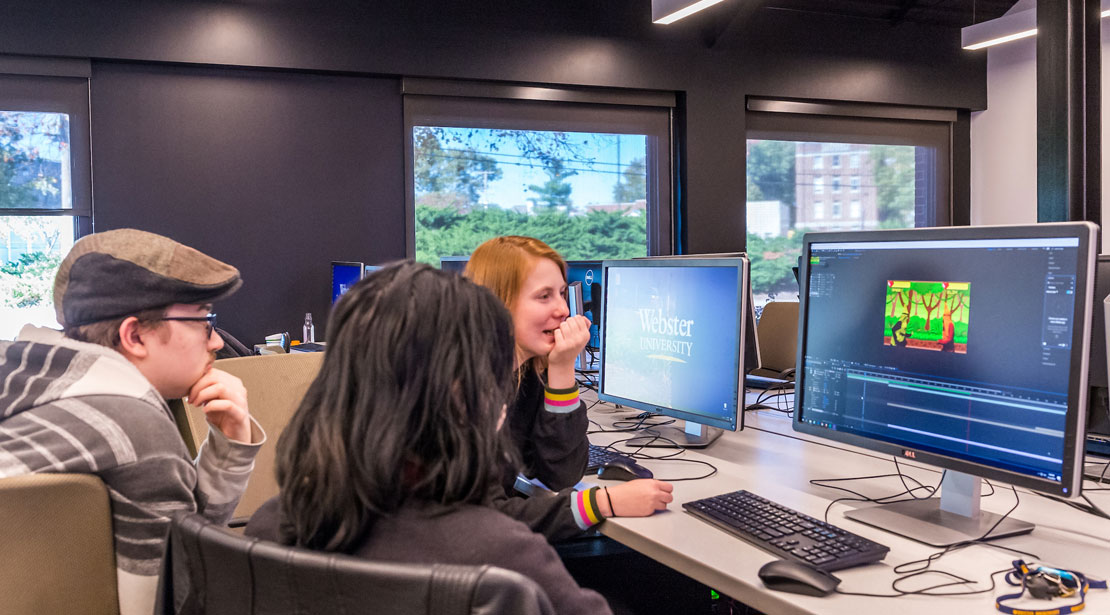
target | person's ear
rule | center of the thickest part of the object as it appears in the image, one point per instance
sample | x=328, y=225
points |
x=131, y=342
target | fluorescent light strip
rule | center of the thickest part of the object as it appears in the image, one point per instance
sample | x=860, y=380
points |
x=1019, y=35
x=690, y=10
x=1003, y=39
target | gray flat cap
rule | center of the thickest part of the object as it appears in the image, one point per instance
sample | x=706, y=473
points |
x=118, y=273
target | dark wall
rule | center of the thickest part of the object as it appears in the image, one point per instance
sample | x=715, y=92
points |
x=279, y=170
x=275, y=173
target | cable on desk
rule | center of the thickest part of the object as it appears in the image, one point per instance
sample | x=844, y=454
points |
x=639, y=455
x=923, y=566
x=777, y=392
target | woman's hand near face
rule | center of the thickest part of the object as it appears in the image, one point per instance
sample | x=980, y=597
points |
x=570, y=338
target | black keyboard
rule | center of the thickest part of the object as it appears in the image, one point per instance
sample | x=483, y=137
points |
x=785, y=532
x=599, y=456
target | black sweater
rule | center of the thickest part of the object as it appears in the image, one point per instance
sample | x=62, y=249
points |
x=468, y=535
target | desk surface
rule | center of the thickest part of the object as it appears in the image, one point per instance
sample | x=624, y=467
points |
x=770, y=459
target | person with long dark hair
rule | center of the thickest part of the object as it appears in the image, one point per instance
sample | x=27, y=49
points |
x=392, y=453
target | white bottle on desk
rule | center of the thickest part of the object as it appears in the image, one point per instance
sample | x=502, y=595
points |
x=309, y=334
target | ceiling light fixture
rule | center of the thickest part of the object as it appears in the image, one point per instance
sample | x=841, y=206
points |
x=669, y=11
x=1020, y=22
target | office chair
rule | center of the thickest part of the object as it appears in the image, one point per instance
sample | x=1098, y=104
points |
x=777, y=332
x=56, y=532
x=275, y=384
x=209, y=570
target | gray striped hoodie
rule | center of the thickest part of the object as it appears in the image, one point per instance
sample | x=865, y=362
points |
x=69, y=406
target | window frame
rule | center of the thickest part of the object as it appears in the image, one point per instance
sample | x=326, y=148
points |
x=464, y=104
x=868, y=123
x=55, y=86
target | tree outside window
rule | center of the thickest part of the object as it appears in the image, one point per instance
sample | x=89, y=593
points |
x=35, y=178
x=883, y=194
x=585, y=194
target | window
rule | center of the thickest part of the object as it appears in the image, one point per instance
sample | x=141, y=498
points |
x=44, y=189
x=818, y=162
x=903, y=163
x=591, y=180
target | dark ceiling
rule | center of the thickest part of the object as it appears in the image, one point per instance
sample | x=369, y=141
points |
x=957, y=13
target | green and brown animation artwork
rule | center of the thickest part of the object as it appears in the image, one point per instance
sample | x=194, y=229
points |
x=927, y=315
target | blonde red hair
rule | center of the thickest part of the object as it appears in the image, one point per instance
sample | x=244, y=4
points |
x=502, y=264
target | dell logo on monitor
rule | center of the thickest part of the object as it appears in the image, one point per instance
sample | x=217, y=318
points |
x=909, y=454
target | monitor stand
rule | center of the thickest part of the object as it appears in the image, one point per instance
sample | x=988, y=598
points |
x=952, y=518
x=694, y=435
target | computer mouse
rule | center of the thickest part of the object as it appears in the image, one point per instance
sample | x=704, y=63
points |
x=623, y=470
x=797, y=578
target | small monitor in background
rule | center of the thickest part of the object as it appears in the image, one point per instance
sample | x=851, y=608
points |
x=1098, y=408
x=370, y=269
x=673, y=344
x=589, y=274
x=455, y=264
x=344, y=275
x=574, y=303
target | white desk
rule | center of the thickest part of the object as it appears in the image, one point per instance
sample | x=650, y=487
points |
x=769, y=459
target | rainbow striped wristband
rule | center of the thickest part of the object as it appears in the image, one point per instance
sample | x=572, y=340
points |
x=583, y=504
x=560, y=401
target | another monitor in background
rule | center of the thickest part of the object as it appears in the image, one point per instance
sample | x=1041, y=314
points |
x=752, y=358
x=672, y=343
x=344, y=274
x=456, y=264
x=1098, y=410
x=965, y=348
x=589, y=274
x=574, y=303
x=370, y=269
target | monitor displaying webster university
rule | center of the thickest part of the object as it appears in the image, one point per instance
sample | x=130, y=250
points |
x=673, y=335
x=964, y=347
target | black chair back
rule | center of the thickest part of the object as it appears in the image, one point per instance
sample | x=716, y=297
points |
x=209, y=570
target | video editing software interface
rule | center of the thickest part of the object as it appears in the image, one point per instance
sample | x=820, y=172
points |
x=671, y=339
x=957, y=347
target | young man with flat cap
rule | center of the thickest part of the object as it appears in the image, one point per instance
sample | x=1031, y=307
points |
x=134, y=307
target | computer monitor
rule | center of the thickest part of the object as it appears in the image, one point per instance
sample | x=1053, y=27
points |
x=574, y=304
x=752, y=358
x=344, y=274
x=1098, y=410
x=370, y=269
x=673, y=343
x=589, y=274
x=456, y=264
x=964, y=348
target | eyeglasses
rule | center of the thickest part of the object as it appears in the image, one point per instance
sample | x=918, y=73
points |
x=210, y=321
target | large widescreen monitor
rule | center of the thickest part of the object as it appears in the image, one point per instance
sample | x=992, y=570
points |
x=673, y=342
x=344, y=274
x=964, y=348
